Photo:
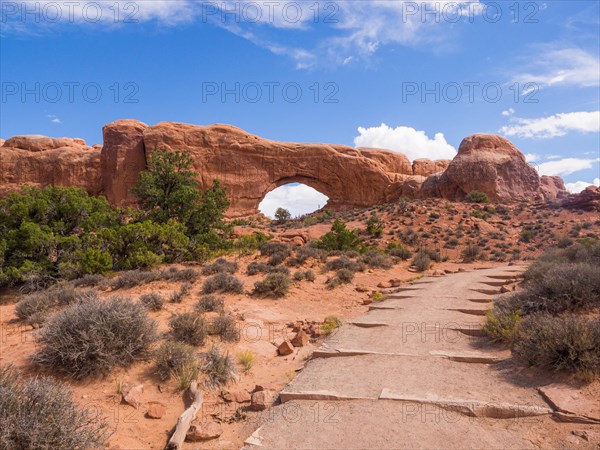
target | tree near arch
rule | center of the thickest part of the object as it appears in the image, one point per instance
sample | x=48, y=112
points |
x=282, y=215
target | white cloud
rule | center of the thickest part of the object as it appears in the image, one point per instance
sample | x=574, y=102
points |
x=553, y=126
x=561, y=67
x=47, y=13
x=350, y=29
x=508, y=112
x=565, y=166
x=532, y=157
x=578, y=186
x=297, y=198
x=413, y=143
x=53, y=118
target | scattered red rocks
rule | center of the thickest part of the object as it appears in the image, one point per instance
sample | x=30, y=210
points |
x=132, y=395
x=203, y=431
x=156, y=410
x=285, y=348
x=261, y=400
x=301, y=339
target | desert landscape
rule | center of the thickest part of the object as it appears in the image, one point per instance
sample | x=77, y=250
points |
x=205, y=295
x=299, y=225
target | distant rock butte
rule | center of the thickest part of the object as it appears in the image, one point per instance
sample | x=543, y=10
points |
x=251, y=166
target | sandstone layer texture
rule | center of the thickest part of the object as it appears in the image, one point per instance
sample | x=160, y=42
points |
x=251, y=166
x=35, y=160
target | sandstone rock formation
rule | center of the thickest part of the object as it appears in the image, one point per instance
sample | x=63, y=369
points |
x=251, y=166
x=553, y=187
x=123, y=158
x=587, y=200
x=493, y=165
x=40, y=161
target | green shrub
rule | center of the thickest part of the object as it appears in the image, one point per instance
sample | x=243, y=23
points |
x=190, y=328
x=250, y=243
x=339, y=238
x=477, y=197
x=222, y=282
x=561, y=343
x=273, y=285
x=330, y=324
x=375, y=226
x=92, y=337
x=502, y=322
x=527, y=235
x=282, y=215
x=209, y=303
x=309, y=275
x=40, y=413
x=172, y=358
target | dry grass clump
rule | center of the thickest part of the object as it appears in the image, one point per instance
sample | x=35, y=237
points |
x=35, y=308
x=219, y=266
x=222, y=282
x=219, y=368
x=178, y=295
x=246, y=359
x=133, y=278
x=343, y=262
x=153, y=301
x=210, y=303
x=377, y=260
x=421, y=261
x=307, y=275
x=92, y=337
x=542, y=322
x=567, y=342
x=225, y=327
x=278, y=252
x=274, y=285
x=255, y=268
x=40, y=414
x=188, y=327
x=471, y=253
x=88, y=280
x=172, y=359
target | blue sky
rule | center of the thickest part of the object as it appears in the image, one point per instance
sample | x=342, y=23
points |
x=392, y=74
